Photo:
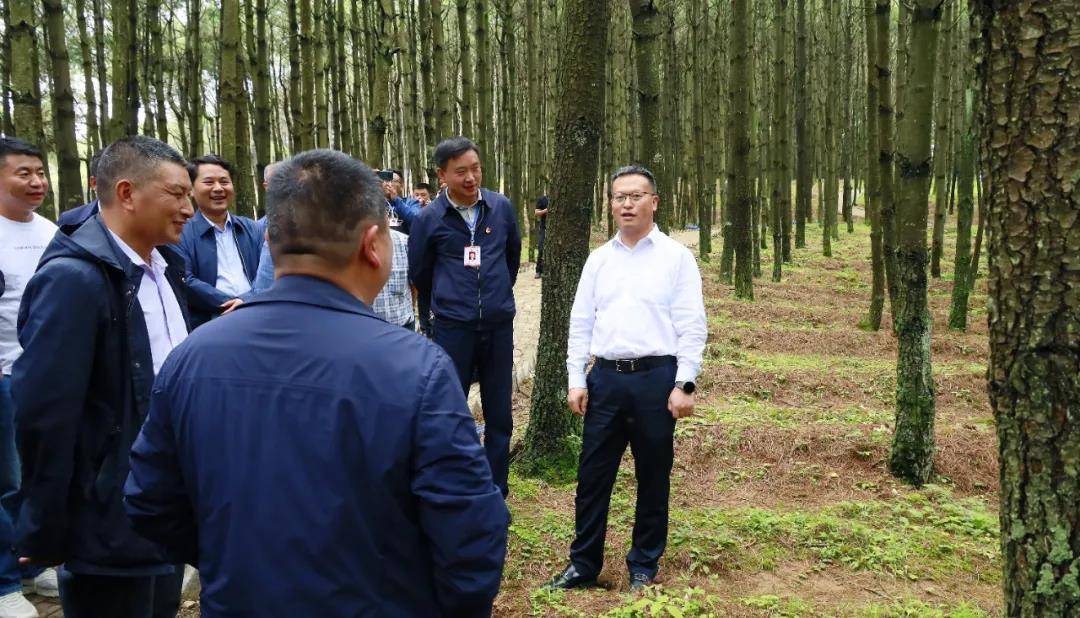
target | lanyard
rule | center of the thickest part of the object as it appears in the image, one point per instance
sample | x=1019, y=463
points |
x=472, y=224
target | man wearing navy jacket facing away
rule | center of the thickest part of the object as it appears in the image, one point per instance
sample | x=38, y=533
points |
x=221, y=249
x=464, y=253
x=348, y=481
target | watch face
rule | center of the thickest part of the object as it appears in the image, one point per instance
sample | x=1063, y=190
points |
x=689, y=388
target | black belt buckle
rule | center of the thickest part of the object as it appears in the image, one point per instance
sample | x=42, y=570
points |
x=626, y=366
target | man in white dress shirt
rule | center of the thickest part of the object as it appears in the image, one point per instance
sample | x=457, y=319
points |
x=639, y=312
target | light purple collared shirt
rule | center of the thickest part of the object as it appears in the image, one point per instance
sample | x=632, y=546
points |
x=165, y=325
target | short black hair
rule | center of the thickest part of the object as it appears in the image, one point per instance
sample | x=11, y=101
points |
x=318, y=201
x=451, y=148
x=632, y=170
x=92, y=164
x=208, y=159
x=133, y=157
x=423, y=185
x=16, y=146
x=398, y=172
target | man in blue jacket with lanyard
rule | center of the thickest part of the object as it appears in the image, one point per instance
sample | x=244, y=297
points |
x=348, y=481
x=221, y=249
x=464, y=253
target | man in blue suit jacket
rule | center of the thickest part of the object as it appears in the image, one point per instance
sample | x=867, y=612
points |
x=348, y=481
x=221, y=249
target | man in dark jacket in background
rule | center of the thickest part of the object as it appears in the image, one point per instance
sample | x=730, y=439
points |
x=348, y=481
x=464, y=253
x=221, y=249
x=97, y=320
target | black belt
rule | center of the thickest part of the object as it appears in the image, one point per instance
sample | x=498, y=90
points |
x=631, y=365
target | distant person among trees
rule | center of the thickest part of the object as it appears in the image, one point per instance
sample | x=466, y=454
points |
x=639, y=312
x=111, y=297
x=400, y=211
x=221, y=249
x=541, y=212
x=312, y=459
x=422, y=193
x=464, y=253
x=70, y=220
x=24, y=235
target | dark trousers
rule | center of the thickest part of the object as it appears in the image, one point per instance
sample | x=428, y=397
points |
x=423, y=307
x=625, y=408
x=491, y=353
x=540, y=246
x=106, y=596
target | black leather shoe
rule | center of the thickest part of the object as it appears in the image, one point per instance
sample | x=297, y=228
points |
x=638, y=581
x=570, y=578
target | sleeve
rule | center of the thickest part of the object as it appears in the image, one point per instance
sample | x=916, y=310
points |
x=688, y=318
x=421, y=256
x=202, y=296
x=582, y=318
x=513, y=244
x=407, y=209
x=56, y=342
x=264, y=276
x=155, y=498
x=462, y=512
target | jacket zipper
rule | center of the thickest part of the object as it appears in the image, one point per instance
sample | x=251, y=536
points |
x=479, y=298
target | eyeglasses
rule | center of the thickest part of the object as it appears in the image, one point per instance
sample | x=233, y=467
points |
x=634, y=198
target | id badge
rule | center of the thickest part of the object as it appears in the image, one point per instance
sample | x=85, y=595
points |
x=472, y=256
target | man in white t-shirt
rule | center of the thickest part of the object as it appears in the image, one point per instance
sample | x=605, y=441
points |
x=24, y=235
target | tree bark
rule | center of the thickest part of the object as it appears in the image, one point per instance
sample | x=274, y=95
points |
x=803, y=180
x=873, y=175
x=578, y=127
x=738, y=176
x=781, y=190
x=964, y=214
x=380, y=93
x=649, y=26
x=103, y=82
x=125, y=80
x=1031, y=162
x=262, y=99
x=465, y=70
x=912, y=455
x=230, y=94
x=63, y=104
x=193, y=56
x=93, y=131
x=443, y=98
x=887, y=211
x=306, y=126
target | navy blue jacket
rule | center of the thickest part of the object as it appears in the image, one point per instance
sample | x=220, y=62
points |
x=347, y=481
x=199, y=249
x=407, y=211
x=82, y=389
x=70, y=220
x=479, y=297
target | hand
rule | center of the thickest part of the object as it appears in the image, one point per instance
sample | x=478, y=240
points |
x=578, y=398
x=680, y=404
x=229, y=305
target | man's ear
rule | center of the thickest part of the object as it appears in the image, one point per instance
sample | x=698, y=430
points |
x=370, y=243
x=124, y=189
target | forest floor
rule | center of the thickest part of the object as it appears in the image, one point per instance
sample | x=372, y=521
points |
x=781, y=501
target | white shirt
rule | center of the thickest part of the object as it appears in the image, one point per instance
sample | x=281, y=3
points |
x=644, y=301
x=21, y=247
x=231, y=278
x=165, y=325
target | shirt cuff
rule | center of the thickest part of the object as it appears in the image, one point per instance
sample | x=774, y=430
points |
x=577, y=379
x=686, y=373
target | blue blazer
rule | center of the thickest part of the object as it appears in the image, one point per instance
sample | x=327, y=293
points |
x=199, y=249
x=347, y=481
x=436, y=261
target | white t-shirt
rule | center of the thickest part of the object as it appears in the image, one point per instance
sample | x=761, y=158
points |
x=21, y=246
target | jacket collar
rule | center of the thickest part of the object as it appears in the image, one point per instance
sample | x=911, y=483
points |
x=202, y=226
x=93, y=242
x=448, y=206
x=308, y=290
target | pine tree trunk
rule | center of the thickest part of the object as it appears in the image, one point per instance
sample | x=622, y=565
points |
x=26, y=102
x=93, y=131
x=964, y=215
x=738, y=180
x=308, y=61
x=157, y=71
x=103, y=82
x=941, y=138
x=873, y=175
x=848, y=124
x=357, y=104
x=5, y=71
x=193, y=57
x=887, y=211
x=803, y=181
x=829, y=198
x=63, y=105
x=230, y=93
x=535, y=138
x=322, y=104
x=295, y=81
x=262, y=98
x=912, y=455
x=423, y=14
x=649, y=25
x=485, y=131
x=125, y=81
x=782, y=173
x=443, y=98
x=579, y=123
x=1029, y=52
x=465, y=70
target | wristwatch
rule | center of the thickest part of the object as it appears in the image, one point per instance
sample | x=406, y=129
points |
x=686, y=387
